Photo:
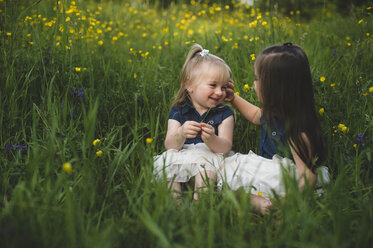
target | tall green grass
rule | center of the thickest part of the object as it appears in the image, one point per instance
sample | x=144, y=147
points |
x=109, y=71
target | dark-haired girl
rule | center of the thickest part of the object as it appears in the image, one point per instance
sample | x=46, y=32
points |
x=291, y=137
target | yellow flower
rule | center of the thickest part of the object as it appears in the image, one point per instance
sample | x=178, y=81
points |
x=149, y=140
x=67, y=19
x=67, y=168
x=77, y=69
x=260, y=193
x=96, y=142
x=135, y=76
x=100, y=42
x=371, y=89
x=321, y=111
x=332, y=84
x=365, y=93
x=355, y=145
x=343, y=128
x=348, y=44
x=31, y=42
x=367, y=34
x=252, y=56
x=361, y=21
x=246, y=86
x=8, y=33
x=237, y=93
x=99, y=153
x=322, y=79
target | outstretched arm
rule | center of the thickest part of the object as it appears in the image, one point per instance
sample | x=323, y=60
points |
x=251, y=112
x=223, y=142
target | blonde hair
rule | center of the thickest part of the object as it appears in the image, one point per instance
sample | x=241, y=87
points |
x=196, y=57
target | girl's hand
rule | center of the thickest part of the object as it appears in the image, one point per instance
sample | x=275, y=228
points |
x=208, y=132
x=229, y=92
x=190, y=129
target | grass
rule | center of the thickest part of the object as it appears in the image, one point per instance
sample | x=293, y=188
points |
x=72, y=72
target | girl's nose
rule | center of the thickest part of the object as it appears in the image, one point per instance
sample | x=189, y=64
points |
x=218, y=92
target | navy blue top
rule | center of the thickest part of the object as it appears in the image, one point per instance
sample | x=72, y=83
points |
x=272, y=140
x=213, y=117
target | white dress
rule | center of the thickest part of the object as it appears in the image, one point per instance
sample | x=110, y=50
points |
x=255, y=174
x=180, y=166
x=261, y=176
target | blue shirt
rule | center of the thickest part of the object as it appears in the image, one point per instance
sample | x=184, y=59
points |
x=272, y=140
x=213, y=117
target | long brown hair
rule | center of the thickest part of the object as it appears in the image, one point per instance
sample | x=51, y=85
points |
x=190, y=71
x=286, y=90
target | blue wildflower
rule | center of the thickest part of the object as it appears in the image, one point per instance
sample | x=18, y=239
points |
x=360, y=139
x=14, y=147
x=10, y=147
x=140, y=101
x=80, y=94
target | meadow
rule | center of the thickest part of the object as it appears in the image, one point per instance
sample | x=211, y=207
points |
x=85, y=93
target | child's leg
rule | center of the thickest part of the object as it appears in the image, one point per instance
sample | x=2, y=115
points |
x=261, y=204
x=175, y=188
x=200, y=181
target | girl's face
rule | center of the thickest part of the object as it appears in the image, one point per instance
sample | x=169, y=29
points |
x=207, y=89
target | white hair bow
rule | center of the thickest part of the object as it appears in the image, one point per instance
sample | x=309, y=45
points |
x=204, y=52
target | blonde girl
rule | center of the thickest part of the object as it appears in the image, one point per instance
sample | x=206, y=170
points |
x=200, y=127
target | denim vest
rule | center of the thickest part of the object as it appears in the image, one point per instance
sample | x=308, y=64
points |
x=213, y=117
x=272, y=140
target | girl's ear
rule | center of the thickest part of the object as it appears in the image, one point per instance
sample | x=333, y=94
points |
x=189, y=86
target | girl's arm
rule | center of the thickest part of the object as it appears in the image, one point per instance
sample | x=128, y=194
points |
x=223, y=142
x=177, y=133
x=304, y=173
x=251, y=112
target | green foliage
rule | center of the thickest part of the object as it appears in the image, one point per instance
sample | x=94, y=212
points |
x=72, y=72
